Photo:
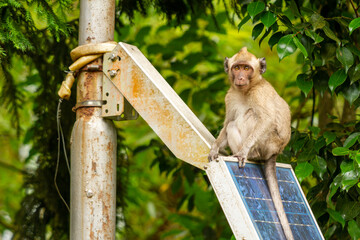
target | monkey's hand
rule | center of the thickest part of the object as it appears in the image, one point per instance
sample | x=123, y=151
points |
x=241, y=156
x=213, y=154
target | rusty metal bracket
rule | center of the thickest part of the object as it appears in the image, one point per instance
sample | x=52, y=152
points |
x=88, y=103
x=116, y=107
x=157, y=103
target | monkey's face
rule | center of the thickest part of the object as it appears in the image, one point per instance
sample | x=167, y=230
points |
x=241, y=73
x=244, y=68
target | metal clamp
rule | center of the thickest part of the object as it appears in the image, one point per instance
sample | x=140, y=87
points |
x=89, y=103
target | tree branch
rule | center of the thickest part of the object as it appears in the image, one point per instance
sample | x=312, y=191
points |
x=355, y=9
x=12, y=167
x=8, y=225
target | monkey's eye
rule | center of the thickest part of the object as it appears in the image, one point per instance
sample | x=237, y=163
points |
x=236, y=67
x=246, y=68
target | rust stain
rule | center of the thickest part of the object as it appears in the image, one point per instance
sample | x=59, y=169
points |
x=106, y=223
x=89, y=87
x=93, y=166
x=159, y=111
x=85, y=112
x=165, y=119
x=109, y=147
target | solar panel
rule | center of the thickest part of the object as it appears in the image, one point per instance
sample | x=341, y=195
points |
x=253, y=204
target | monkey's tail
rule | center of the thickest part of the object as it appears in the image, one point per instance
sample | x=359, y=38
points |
x=271, y=179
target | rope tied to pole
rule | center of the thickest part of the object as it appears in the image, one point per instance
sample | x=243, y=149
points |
x=82, y=55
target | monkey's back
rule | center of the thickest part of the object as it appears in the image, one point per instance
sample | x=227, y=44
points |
x=279, y=115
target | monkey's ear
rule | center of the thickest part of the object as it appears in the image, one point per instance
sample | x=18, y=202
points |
x=262, y=65
x=226, y=66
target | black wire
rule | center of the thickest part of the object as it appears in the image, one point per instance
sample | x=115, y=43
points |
x=60, y=138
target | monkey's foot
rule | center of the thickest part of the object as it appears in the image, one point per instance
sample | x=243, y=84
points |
x=213, y=156
x=241, y=161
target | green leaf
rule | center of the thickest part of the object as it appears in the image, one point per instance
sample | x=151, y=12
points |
x=303, y=170
x=354, y=230
x=348, y=209
x=299, y=144
x=354, y=24
x=268, y=19
x=336, y=216
x=257, y=30
x=331, y=34
x=315, y=130
x=304, y=84
x=354, y=50
x=143, y=32
x=286, y=21
x=319, y=165
x=351, y=93
x=357, y=157
x=300, y=46
x=255, y=8
x=274, y=39
x=351, y=140
x=330, y=231
x=243, y=21
x=317, y=21
x=330, y=137
x=286, y=46
x=319, y=144
x=340, y=151
x=349, y=179
x=334, y=186
x=345, y=56
x=294, y=9
x=346, y=166
x=267, y=32
x=176, y=184
x=337, y=79
x=314, y=36
x=354, y=74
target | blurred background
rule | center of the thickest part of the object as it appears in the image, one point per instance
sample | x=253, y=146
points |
x=159, y=196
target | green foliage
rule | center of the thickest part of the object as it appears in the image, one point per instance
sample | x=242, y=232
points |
x=336, y=79
x=354, y=24
x=303, y=82
x=158, y=195
x=173, y=10
x=286, y=46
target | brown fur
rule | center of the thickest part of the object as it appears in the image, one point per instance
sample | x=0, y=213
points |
x=257, y=122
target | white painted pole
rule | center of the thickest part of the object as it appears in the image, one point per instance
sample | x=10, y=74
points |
x=93, y=139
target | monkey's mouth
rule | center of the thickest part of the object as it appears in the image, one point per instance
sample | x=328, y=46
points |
x=240, y=82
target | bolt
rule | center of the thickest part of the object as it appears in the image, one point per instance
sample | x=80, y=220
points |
x=205, y=167
x=89, y=193
x=112, y=57
x=112, y=73
x=217, y=160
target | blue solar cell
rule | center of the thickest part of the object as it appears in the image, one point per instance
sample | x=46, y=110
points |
x=252, y=187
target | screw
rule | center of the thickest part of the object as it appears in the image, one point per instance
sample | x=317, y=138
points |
x=89, y=193
x=112, y=57
x=112, y=73
x=205, y=167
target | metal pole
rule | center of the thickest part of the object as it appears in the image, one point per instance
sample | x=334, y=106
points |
x=93, y=139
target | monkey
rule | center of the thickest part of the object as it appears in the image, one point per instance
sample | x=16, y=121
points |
x=257, y=123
